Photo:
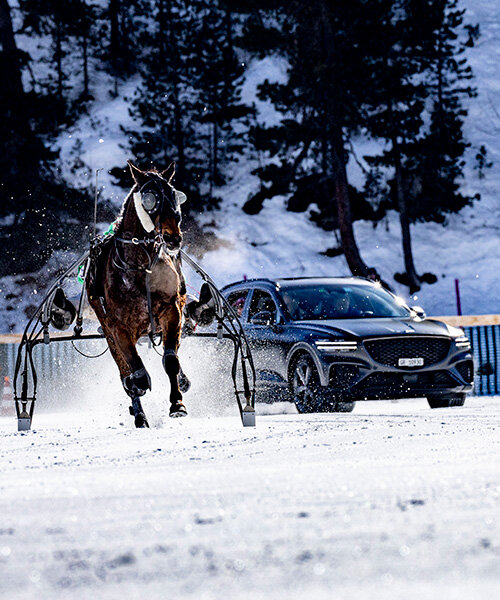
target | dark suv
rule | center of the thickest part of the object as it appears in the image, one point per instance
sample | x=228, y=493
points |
x=326, y=342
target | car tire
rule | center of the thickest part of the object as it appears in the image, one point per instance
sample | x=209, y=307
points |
x=305, y=386
x=446, y=401
x=344, y=406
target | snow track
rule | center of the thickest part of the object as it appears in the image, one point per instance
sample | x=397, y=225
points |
x=391, y=501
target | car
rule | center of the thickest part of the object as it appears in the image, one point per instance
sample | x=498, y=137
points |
x=326, y=342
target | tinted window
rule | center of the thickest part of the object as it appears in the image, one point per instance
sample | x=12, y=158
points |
x=340, y=302
x=262, y=301
x=237, y=301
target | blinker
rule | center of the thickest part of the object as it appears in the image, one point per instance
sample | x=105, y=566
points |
x=149, y=201
x=180, y=196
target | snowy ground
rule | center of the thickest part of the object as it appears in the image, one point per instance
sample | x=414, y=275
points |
x=391, y=501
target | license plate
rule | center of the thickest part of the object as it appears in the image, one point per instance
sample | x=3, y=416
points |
x=411, y=362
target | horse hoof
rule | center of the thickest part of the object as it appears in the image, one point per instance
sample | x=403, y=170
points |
x=178, y=410
x=140, y=421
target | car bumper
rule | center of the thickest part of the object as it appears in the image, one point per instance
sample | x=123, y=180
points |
x=360, y=377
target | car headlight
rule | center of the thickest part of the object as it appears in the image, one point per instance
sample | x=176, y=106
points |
x=462, y=342
x=336, y=346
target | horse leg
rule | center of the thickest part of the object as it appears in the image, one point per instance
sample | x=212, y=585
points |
x=184, y=383
x=136, y=381
x=135, y=378
x=171, y=327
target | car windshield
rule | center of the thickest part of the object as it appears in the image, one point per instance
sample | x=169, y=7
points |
x=339, y=301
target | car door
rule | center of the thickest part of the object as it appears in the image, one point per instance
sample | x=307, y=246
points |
x=265, y=333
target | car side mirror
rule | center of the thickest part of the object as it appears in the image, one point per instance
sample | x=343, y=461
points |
x=264, y=317
x=419, y=312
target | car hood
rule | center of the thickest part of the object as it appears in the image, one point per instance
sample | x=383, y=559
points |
x=376, y=327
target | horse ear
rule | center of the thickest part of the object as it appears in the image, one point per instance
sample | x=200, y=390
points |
x=169, y=172
x=138, y=175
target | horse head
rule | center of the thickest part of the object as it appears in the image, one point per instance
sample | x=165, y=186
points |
x=158, y=204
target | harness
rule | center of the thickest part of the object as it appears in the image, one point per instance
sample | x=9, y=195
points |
x=159, y=244
x=86, y=268
x=147, y=203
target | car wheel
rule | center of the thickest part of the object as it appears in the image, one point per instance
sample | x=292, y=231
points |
x=446, y=401
x=305, y=385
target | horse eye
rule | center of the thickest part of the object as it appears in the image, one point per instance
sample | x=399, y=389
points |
x=149, y=201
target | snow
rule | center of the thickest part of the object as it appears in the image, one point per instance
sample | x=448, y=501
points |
x=393, y=500
x=97, y=140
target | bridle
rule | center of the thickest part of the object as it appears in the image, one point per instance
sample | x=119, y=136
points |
x=151, y=198
x=149, y=202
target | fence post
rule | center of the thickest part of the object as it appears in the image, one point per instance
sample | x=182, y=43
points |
x=457, y=294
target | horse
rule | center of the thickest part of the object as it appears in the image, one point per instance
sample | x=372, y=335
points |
x=136, y=287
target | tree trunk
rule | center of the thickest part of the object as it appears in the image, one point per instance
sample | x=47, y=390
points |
x=15, y=112
x=336, y=160
x=10, y=67
x=58, y=59
x=114, y=41
x=215, y=163
x=411, y=273
x=166, y=32
x=85, y=65
x=351, y=251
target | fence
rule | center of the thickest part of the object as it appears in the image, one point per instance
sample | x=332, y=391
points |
x=485, y=341
x=51, y=359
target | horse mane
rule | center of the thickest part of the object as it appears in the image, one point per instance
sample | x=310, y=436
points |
x=118, y=222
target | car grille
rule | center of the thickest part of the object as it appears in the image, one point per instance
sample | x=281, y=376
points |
x=388, y=351
x=466, y=370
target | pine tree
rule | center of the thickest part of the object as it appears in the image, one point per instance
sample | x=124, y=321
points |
x=438, y=167
x=217, y=75
x=165, y=101
x=123, y=26
x=53, y=19
x=395, y=108
x=188, y=102
x=328, y=46
x=31, y=189
x=417, y=64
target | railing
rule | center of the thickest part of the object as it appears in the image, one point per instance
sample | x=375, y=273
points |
x=482, y=330
x=485, y=341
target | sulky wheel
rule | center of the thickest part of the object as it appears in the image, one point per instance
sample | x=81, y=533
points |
x=446, y=401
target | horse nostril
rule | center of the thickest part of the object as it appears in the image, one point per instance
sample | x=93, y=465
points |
x=174, y=241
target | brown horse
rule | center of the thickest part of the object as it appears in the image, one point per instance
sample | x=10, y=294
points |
x=136, y=286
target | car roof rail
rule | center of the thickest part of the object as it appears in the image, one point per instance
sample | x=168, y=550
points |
x=253, y=280
x=275, y=282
